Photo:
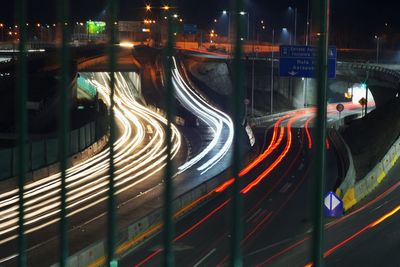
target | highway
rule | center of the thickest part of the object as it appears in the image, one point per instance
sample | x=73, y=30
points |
x=140, y=153
x=276, y=188
x=139, y=161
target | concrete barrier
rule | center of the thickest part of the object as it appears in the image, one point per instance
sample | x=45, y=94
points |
x=356, y=191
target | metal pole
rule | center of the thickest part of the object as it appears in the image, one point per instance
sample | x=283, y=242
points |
x=64, y=128
x=308, y=22
x=377, y=50
x=22, y=128
x=366, y=98
x=248, y=26
x=229, y=33
x=322, y=7
x=237, y=105
x=112, y=216
x=168, y=230
x=272, y=72
x=252, y=88
x=295, y=26
x=307, y=40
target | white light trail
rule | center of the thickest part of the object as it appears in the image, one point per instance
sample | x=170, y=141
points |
x=216, y=120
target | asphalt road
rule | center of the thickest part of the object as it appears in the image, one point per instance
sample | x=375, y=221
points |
x=277, y=211
x=140, y=152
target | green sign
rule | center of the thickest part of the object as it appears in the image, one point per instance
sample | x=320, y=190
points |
x=95, y=27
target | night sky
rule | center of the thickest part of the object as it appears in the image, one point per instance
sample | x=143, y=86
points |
x=360, y=17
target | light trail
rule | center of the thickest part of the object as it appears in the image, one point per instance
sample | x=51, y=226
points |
x=137, y=159
x=215, y=119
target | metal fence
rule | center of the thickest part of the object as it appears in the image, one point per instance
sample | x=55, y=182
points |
x=321, y=10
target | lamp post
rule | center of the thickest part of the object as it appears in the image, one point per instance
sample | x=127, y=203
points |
x=272, y=71
x=242, y=13
x=378, y=39
x=295, y=25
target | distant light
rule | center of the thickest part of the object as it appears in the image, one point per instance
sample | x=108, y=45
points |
x=81, y=107
x=224, y=12
x=284, y=29
x=241, y=39
x=145, y=30
x=176, y=16
x=148, y=7
x=165, y=7
x=126, y=45
x=262, y=22
x=215, y=20
x=38, y=25
x=242, y=13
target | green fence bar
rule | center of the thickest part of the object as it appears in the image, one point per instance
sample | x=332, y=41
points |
x=168, y=230
x=112, y=54
x=322, y=8
x=238, y=74
x=63, y=127
x=22, y=128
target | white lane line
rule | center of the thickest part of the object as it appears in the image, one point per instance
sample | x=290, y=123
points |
x=254, y=215
x=268, y=247
x=205, y=257
x=285, y=188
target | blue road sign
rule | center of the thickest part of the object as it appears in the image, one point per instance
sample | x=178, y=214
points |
x=333, y=205
x=190, y=29
x=301, y=61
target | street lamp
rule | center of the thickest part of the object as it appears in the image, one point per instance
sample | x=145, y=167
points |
x=378, y=39
x=295, y=24
x=148, y=7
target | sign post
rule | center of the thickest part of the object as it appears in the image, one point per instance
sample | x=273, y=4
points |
x=333, y=205
x=363, y=102
x=340, y=108
x=300, y=61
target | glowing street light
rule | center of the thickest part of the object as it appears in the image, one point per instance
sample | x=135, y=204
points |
x=148, y=7
x=166, y=8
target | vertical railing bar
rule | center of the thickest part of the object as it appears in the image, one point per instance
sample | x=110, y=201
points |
x=322, y=8
x=111, y=231
x=168, y=189
x=63, y=126
x=238, y=68
x=22, y=127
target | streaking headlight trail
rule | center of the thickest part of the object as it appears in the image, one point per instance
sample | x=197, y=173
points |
x=139, y=155
x=220, y=124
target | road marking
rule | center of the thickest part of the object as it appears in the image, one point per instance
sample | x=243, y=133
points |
x=268, y=247
x=285, y=188
x=205, y=257
x=301, y=167
x=254, y=215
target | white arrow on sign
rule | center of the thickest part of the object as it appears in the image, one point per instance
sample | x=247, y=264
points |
x=292, y=73
x=331, y=201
